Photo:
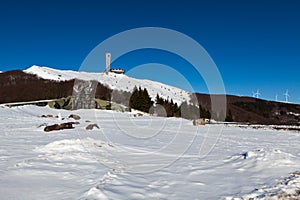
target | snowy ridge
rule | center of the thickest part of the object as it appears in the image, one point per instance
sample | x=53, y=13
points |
x=114, y=81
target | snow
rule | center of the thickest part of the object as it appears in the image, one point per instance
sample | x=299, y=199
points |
x=140, y=158
x=114, y=81
x=288, y=188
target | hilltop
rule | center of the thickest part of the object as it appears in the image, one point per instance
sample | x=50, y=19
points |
x=113, y=81
x=41, y=83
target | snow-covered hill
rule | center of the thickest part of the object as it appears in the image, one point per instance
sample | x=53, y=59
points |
x=114, y=81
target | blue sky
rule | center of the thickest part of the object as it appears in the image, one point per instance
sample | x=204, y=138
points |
x=255, y=44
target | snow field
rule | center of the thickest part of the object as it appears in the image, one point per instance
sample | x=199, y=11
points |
x=140, y=158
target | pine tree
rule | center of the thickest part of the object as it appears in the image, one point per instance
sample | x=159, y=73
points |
x=229, y=117
x=133, y=98
x=140, y=100
x=159, y=100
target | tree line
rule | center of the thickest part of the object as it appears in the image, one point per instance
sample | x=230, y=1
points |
x=140, y=100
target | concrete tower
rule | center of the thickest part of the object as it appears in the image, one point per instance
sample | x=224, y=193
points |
x=108, y=55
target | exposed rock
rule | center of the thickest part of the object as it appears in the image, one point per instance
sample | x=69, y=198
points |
x=92, y=126
x=62, y=103
x=51, y=116
x=197, y=122
x=76, y=117
x=56, y=127
x=138, y=115
x=47, y=116
x=44, y=124
x=67, y=125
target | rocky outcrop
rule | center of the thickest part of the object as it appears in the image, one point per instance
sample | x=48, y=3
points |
x=84, y=94
x=62, y=103
x=76, y=117
x=92, y=126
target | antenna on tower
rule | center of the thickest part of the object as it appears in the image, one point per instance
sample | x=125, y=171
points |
x=286, y=94
x=256, y=94
x=108, y=55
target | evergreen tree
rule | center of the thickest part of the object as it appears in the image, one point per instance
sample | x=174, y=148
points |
x=140, y=100
x=159, y=100
x=204, y=113
x=133, y=99
x=176, y=110
x=229, y=117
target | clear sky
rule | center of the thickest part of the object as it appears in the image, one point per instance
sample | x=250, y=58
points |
x=255, y=44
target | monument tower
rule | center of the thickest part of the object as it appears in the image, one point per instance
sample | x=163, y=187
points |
x=108, y=55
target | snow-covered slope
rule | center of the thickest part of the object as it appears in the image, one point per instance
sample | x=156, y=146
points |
x=114, y=81
x=109, y=163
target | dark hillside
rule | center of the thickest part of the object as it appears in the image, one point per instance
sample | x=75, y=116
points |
x=253, y=110
x=17, y=86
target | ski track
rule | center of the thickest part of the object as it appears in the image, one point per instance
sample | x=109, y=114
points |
x=139, y=158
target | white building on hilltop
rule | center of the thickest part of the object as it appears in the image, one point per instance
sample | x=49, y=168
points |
x=114, y=70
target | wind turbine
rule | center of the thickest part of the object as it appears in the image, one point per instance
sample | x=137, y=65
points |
x=286, y=94
x=256, y=94
x=276, y=97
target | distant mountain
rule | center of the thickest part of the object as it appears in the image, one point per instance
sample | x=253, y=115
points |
x=40, y=83
x=253, y=110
